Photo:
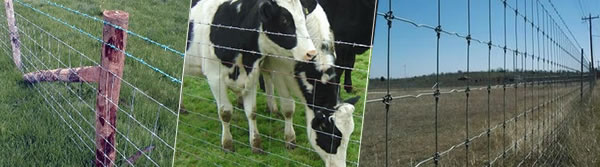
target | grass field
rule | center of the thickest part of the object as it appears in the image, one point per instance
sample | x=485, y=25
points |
x=198, y=140
x=51, y=124
x=412, y=133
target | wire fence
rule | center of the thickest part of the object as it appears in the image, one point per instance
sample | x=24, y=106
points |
x=506, y=117
x=200, y=131
x=54, y=36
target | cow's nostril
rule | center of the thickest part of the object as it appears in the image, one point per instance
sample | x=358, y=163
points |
x=311, y=54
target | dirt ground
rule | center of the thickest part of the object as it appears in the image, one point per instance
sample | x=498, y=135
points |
x=411, y=133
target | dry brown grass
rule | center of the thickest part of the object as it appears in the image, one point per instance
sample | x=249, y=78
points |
x=412, y=125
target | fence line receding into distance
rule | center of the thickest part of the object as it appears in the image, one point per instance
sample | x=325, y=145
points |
x=547, y=76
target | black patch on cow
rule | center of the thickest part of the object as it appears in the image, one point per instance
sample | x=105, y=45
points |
x=190, y=33
x=308, y=6
x=252, y=14
x=194, y=2
x=235, y=73
x=329, y=137
x=322, y=103
x=283, y=23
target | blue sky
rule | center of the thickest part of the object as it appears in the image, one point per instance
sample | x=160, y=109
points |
x=414, y=49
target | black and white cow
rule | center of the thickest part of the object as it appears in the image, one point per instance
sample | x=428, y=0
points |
x=351, y=21
x=329, y=120
x=225, y=45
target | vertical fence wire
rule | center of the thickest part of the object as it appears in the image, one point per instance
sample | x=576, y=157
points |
x=489, y=88
x=504, y=89
x=467, y=80
x=436, y=93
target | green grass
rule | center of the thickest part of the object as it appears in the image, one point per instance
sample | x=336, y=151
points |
x=198, y=140
x=33, y=132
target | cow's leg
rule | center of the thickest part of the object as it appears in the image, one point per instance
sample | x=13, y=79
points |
x=338, y=74
x=349, y=62
x=287, y=108
x=225, y=110
x=250, y=110
x=348, y=80
x=239, y=102
x=270, y=90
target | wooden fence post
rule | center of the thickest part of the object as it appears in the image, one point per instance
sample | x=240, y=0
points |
x=109, y=85
x=14, y=33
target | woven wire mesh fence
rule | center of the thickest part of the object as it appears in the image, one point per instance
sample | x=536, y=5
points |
x=506, y=116
x=200, y=131
x=57, y=36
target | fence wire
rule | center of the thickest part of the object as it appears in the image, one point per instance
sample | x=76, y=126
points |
x=200, y=124
x=512, y=127
x=54, y=36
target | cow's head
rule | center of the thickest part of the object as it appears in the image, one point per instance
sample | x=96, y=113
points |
x=333, y=130
x=284, y=24
x=320, y=32
x=329, y=118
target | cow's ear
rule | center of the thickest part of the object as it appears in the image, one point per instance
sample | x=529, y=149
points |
x=267, y=10
x=352, y=100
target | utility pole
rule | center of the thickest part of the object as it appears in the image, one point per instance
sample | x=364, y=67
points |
x=589, y=19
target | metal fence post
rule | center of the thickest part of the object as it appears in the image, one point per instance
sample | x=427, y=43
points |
x=14, y=33
x=581, y=75
x=109, y=85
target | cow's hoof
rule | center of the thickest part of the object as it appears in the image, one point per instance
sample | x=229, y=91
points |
x=273, y=111
x=290, y=145
x=348, y=89
x=228, y=146
x=257, y=150
x=240, y=103
x=256, y=145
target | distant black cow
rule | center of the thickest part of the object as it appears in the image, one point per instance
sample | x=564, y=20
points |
x=351, y=21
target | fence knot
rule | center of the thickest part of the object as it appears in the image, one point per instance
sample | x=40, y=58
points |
x=438, y=30
x=468, y=39
x=489, y=45
x=389, y=16
x=504, y=48
x=504, y=3
x=467, y=143
x=436, y=157
x=489, y=132
x=436, y=93
x=387, y=99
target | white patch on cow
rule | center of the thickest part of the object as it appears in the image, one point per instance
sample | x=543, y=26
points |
x=325, y=78
x=320, y=33
x=305, y=82
x=238, y=7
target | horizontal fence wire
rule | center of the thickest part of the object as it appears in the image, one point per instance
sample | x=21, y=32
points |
x=98, y=39
x=200, y=120
x=146, y=118
x=545, y=77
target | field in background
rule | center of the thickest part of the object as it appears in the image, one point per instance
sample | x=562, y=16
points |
x=411, y=122
x=33, y=133
x=198, y=139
